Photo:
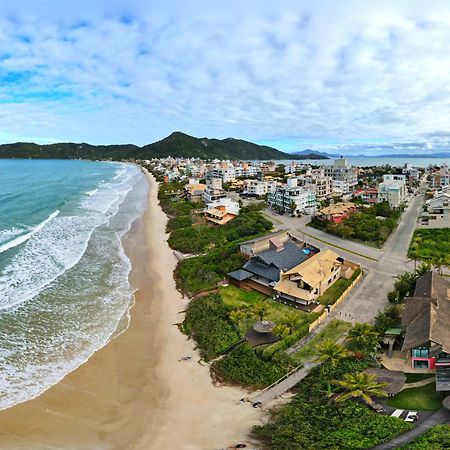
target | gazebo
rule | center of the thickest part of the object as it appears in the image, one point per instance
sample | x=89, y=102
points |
x=261, y=333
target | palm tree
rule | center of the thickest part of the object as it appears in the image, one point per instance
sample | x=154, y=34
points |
x=332, y=352
x=363, y=337
x=423, y=268
x=260, y=309
x=438, y=263
x=291, y=321
x=281, y=330
x=360, y=385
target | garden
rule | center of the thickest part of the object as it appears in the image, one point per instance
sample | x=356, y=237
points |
x=423, y=398
x=438, y=438
x=370, y=225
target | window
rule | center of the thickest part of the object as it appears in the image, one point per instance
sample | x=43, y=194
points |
x=419, y=352
x=420, y=365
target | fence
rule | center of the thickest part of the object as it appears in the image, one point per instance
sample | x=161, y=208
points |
x=330, y=308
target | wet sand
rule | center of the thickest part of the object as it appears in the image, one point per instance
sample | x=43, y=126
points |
x=134, y=393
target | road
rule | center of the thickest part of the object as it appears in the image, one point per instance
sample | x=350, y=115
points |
x=381, y=266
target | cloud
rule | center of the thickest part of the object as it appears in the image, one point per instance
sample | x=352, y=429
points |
x=292, y=73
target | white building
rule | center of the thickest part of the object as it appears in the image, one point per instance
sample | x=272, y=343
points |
x=315, y=180
x=293, y=198
x=441, y=177
x=226, y=174
x=230, y=205
x=256, y=188
x=437, y=212
x=214, y=190
x=392, y=190
x=344, y=176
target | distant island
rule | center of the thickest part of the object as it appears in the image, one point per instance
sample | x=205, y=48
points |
x=177, y=145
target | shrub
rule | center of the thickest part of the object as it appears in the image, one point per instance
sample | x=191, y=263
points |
x=208, y=322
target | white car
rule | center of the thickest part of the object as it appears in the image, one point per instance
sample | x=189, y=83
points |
x=411, y=416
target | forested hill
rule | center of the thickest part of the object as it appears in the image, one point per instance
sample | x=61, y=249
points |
x=177, y=145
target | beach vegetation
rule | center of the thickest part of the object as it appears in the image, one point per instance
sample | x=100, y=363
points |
x=208, y=322
x=313, y=421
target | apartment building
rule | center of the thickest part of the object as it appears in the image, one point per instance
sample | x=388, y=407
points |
x=315, y=180
x=392, y=190
x=344, y=176
x=441, y=177
x=214, y=190
x=293, y=198
x=437, y=212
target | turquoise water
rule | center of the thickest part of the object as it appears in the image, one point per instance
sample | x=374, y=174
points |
x=63, y=273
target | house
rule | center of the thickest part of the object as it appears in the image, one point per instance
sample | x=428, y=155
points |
x=231, y=206
x=307, y=281
x=425, y=320
x=369, y=195
x=337, y=212
x=214, y=190
x=392, y=190
x=269, y=257
x=437, y=212
x=219, y=215
x=194, y=191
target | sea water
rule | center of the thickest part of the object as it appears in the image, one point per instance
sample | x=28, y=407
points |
x=64, y=290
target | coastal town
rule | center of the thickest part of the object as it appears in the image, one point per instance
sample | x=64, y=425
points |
x=312, y=282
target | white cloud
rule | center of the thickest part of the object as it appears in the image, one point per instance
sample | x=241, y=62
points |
x=261, y=71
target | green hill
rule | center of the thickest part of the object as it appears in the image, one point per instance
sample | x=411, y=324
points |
x=177, y=144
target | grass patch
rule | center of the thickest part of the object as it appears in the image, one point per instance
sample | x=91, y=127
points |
x=431, y=245
x=415, y=377
x=333, y=293
x=438, y=438
x=333, y=331
x=424, y=398
x=233, y=298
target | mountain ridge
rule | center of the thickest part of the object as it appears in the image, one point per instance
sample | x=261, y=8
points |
x=177, y=144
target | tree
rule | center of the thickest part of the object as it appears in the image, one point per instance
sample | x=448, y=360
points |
x=281, y=330
x=363, y=337
x=388, y=318
x=405, y=284
x=260, y=309
x=291, y=321
x=332, y=352
x=438, y=262
x=360, y=385
x=423, y=268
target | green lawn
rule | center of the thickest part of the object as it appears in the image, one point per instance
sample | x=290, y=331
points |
x=424, y=398
x=234, y=297
x=415, y=377
x=431, y=245
x=333, y=293
x=333, y=331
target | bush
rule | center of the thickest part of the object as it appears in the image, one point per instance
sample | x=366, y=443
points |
x=388, y=318
x=438, y=438
x=207, y=321
x=313, y=421
x=393, y=297
x=244, y=367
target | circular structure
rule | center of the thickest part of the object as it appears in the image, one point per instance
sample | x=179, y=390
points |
x=446, y=402
x=263, y=326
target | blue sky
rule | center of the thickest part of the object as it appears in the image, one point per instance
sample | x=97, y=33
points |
x=348, y=76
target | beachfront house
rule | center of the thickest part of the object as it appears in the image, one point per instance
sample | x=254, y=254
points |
x=218, y=215
x=268, y=257
x=304, y=283
x=425, y=321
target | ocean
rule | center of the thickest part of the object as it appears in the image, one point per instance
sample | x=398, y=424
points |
x=64, y=290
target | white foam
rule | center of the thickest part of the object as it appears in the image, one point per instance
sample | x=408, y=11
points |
x=25, y=237
x=90, y=193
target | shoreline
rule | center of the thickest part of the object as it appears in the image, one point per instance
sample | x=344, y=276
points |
x=134, y=393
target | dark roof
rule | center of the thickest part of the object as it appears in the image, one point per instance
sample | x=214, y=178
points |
x=394, y=379
x=240, y=275
x=254, y=338
x=270, y=272
x=276, y=260
x=426, y=315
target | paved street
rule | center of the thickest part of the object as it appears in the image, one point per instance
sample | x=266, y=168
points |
x=381, y=266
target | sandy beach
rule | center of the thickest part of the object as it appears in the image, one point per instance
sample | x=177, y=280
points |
x=134, y=393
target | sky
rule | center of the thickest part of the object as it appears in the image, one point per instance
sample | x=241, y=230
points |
x=358, y=77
